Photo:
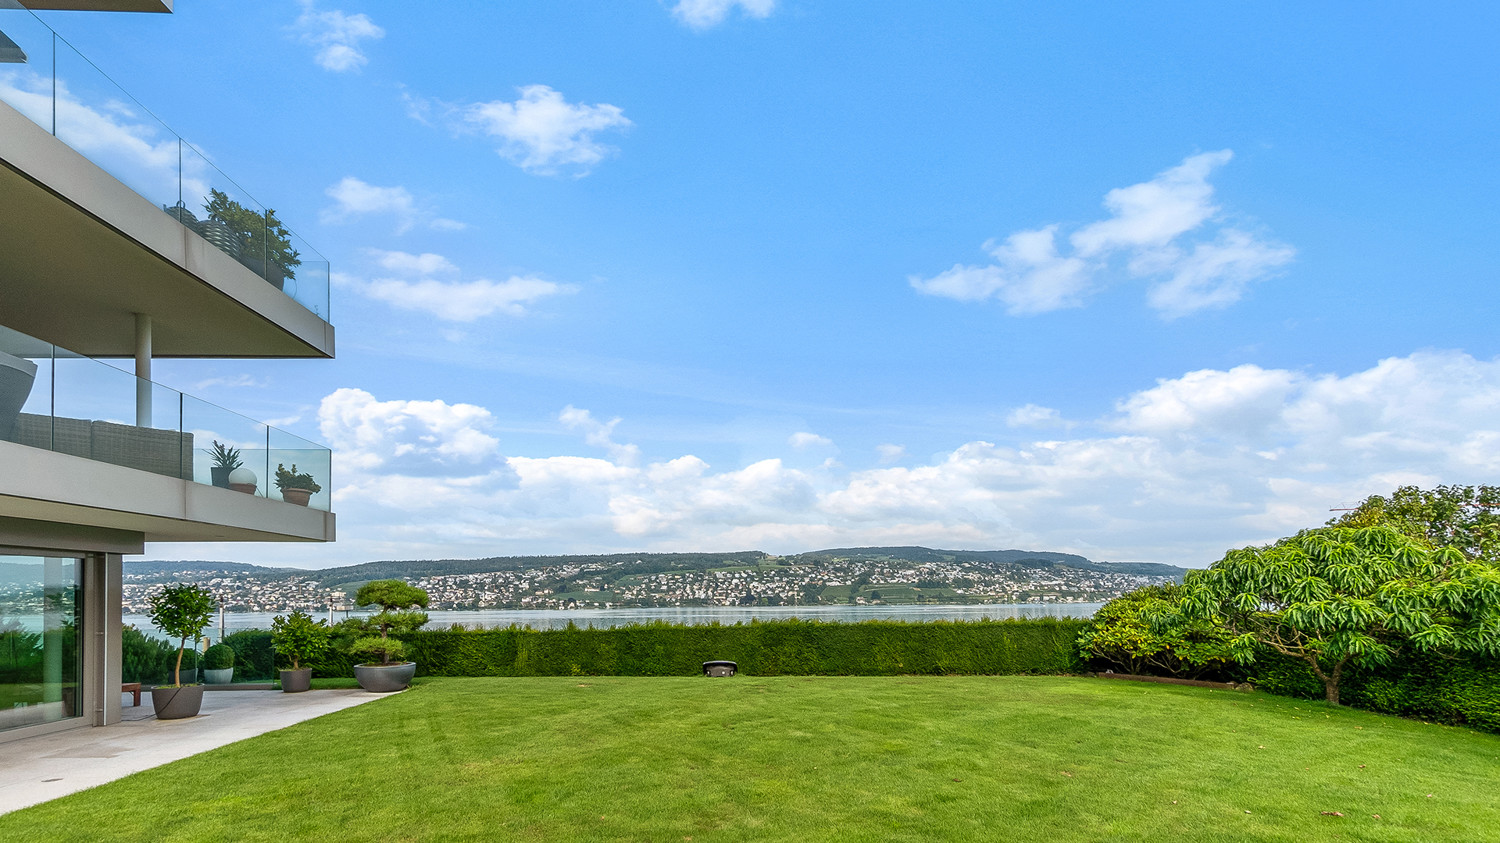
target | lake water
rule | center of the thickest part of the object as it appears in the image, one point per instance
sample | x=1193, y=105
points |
x=694, y=615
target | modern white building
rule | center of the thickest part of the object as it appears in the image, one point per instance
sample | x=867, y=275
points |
x=119, y=244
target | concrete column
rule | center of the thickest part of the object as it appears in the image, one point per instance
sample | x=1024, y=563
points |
x=142, y=370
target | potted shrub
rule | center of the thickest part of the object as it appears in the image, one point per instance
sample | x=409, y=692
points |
x=267, y=247
x=181, y=611
x=297, y=488
x=218, y=664
x=226, y=460
x=298, y=637
x=392, y=672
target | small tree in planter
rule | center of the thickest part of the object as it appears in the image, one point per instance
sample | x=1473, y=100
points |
x=296, y=487
x=218, y=664
x=263, y=235
x=394, y=597
x=298, y=637
x=181, y=611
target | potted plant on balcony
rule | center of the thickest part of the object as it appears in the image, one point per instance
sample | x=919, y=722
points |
x=181, y=611
x=267, y=247
x=296, y=488
x=392, y=672
x=298, y=637
x=218, y=664
x=226, y=460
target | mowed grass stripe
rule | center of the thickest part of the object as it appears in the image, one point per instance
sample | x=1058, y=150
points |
x=811, y=758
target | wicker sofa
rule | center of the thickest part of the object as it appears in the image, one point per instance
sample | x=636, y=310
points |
x=165, y=452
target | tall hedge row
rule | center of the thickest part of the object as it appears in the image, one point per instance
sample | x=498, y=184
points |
x=1459, y=691
x=772, y=648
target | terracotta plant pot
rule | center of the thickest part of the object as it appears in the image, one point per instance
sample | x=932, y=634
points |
x=247, y=488
x=296, y=496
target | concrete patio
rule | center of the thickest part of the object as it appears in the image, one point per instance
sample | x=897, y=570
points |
x=46, y=767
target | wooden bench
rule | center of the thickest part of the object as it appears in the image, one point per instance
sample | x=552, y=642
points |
x=133, y=688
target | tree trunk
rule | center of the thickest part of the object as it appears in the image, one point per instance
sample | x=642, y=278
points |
x=1330, y=681
x=177, y=671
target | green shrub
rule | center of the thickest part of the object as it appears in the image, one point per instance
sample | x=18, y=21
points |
x=218, y=657
x=299, y=638
x=253, y=657
x=1122, y=635
x=144, y=658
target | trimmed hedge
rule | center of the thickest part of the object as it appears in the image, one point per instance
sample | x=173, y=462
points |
x=253, y=657
x=772, y=648
x=1456, y=691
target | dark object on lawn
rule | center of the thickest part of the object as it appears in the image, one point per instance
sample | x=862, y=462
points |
x=719, y=668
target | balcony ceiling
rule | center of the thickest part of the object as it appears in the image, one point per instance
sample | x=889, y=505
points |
x=81, y=253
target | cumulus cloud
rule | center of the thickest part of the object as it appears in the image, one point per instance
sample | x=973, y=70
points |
x=336, y=36
x=540, y=131
x=430, y=283
x=1167, y=231
x=355, y=197
x=1032, y=415
x=707, y=14
x=890, y=453
x=1177, y=472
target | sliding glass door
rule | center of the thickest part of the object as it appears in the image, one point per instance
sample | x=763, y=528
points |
x=40, y=660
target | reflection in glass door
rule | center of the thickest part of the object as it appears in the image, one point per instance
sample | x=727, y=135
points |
x=40, y=618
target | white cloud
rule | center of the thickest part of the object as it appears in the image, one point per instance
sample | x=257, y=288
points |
x=706, y=14
x=1032, y=415
x=543, y=133
x=890, y=453
x=355, y=197
x=232, y=381
x=803, y=439
x=599, y=434
x=1178, y=472
x=411, y=285
x=1167, y=230
x=463, y=301
x=336, y=36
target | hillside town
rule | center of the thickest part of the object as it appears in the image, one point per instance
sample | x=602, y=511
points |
x=853, y=581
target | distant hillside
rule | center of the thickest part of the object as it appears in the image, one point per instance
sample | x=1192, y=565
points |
x=630, y=564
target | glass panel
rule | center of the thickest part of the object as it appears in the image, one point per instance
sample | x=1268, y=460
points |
x=297, y=464
x=26, y=63
x=307, y=280
x=241, y=442
x=40, y=664
x=96, y=117
x=227, y=217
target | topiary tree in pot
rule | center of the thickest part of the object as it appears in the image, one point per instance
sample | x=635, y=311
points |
x=181, y=611
x=298, y=637
x=394, y=597
x=218, y=664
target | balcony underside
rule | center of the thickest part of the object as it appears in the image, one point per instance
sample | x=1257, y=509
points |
x=81, y=254
x=45, y=486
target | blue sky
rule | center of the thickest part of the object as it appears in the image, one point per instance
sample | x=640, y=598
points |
x=1142, y=282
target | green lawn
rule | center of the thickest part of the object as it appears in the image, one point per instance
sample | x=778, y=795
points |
x=811, y=758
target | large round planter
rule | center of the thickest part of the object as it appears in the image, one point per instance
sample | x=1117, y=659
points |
x=300, y=497
x=383, y=678
x=218, y=677
x=296, y=681
x=177, y=703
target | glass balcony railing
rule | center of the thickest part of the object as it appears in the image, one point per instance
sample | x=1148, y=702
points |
x=55, y=399
x=44, y=78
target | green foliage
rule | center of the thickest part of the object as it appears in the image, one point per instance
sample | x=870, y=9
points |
x=144, y=658
x=300, y=638
x=225, y=457
x=218, y=657
x=1122, y=634
x=20, y=654
x=1462, y=517
x=254, y=658
x=264, y=236
x=791, y=647
x=387, y=650
x=181, y=611
x=290, y=479
x=1348, y=596
x=390, y=595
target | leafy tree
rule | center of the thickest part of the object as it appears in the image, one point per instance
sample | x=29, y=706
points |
x=181, y=611
x=297, y=636
x=1464, y=517
x=264, y=236
x=1123, y=633
x=1339, y=595
x=392, y=596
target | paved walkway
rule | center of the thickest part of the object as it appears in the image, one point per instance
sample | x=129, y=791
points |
x=48, y=766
